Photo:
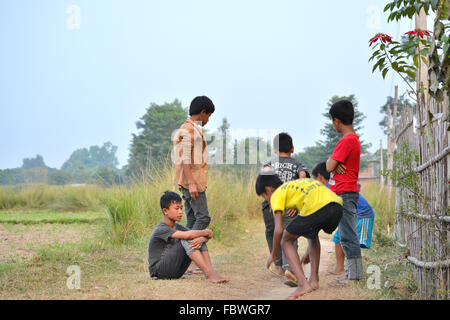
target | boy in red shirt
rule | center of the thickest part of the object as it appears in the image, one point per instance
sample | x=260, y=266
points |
x=344, y=166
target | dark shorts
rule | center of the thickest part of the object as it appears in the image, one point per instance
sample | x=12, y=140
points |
x=326, y=219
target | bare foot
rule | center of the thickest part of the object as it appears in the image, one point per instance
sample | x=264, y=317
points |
x=290, y=276
x=215, y=278
x=314, y=284
x=301, y=290
x=336, y=272
x=339, y=282
x=194, y=271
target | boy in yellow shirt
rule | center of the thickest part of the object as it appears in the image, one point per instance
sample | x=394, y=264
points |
x=319, y=209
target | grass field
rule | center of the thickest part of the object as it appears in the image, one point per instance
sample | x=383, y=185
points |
x=108, y=241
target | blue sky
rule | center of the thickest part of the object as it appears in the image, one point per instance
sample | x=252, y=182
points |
x=265, y=64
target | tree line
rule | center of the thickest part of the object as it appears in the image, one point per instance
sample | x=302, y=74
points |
x=151, y=148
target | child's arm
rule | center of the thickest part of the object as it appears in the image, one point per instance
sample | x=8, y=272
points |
x=278, y=233
x=334, y=165
x=190, y=178
x=198, y=242
x=192, y=234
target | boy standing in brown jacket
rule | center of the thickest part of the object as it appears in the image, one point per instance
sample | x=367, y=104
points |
x=191, y=161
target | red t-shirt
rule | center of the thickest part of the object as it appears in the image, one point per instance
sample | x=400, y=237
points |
x=348, y=152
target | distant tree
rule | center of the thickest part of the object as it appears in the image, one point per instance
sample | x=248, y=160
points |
x=35, y=175
x=107, y=177
x=93, y=158
x=6, y=177
x=153, y=144
x=36, y=162
x=59, y=177
x=220, y=150
x=323, y=149
x=83, y=162
x=401, y=104
x=16, y=175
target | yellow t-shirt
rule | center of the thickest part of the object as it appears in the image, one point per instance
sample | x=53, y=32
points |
x=305, y=195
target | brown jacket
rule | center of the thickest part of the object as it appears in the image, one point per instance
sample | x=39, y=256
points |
x=190, y=147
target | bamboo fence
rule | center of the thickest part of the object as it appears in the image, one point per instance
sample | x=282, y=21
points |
x=422, y=216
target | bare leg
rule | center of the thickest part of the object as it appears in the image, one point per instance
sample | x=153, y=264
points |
x=295, y=264
x=340, y=259
x=193, y=268
x=203, y=261
x=314, y=254
x=305, y=259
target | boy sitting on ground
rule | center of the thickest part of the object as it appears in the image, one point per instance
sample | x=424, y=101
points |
x=319, y=209
x=172, y=247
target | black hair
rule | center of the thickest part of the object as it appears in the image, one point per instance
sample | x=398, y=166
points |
x=283, y=142
x=322, y=169
x=201, y=103
x=168, y=198
x=267, y=179
x=307, y=174
x=344, y=111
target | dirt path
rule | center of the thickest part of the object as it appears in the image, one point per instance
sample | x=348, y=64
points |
x=120, y=272
x=327, y=262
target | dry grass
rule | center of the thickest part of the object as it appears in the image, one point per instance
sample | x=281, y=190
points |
x=120, y=272
x=20, y=243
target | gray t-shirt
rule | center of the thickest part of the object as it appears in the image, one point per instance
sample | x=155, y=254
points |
x=160, y=241
x=286, y=168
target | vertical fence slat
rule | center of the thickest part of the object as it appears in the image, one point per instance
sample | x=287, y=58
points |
x=427, y=239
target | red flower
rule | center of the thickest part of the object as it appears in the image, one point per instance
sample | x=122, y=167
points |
x=382, y=36
x=419, y=32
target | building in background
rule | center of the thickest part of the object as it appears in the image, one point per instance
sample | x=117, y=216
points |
x=371, y=172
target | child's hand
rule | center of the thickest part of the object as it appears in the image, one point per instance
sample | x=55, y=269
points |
x=193, y=191
x=291, y=212
x=209, y=233
x=197, y=243
x=270, y=261
x=341, y=169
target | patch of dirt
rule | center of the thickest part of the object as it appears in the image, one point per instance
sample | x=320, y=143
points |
x=22, y=241
x=327, y=263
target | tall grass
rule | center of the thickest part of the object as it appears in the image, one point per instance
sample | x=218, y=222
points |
x=58, y=198
x=384, y=209
x=134, y=210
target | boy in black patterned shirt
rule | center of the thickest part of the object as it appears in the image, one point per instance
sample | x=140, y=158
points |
x=287, y=169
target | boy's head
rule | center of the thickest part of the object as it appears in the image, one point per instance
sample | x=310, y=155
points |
x=266, y=184
x=171, y=205
x=202, y=107
x=320, y=173
x=283, y=143
x=342, y=113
